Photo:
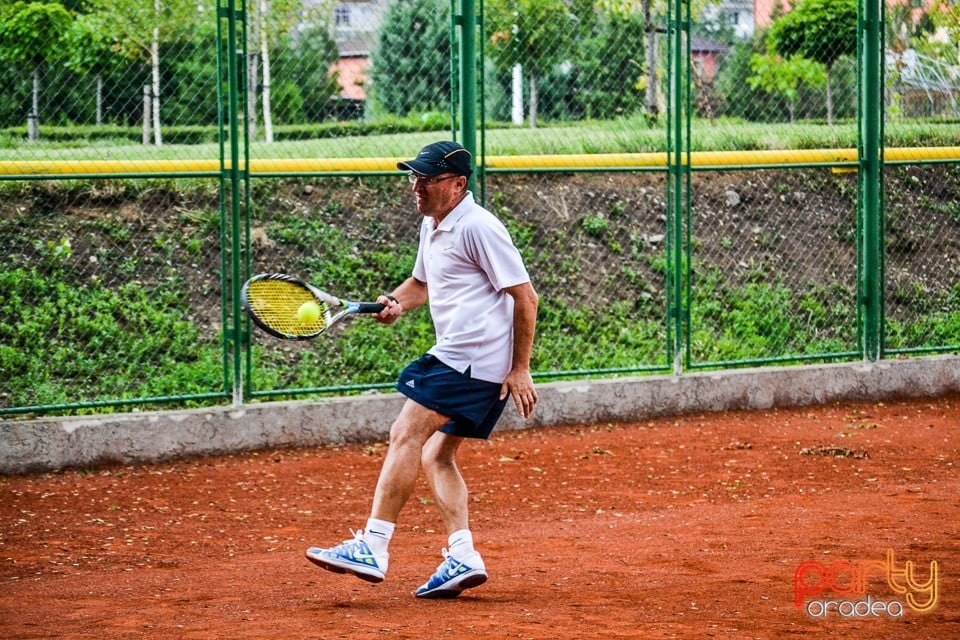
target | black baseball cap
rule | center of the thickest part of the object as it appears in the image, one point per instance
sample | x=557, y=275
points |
x=440, y=157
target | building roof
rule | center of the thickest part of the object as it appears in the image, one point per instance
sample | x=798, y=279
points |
x=706, y=45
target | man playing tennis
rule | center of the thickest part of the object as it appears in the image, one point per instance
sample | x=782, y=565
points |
x=484, y=310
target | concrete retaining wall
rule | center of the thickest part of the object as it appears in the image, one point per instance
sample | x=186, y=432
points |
x=55, y=443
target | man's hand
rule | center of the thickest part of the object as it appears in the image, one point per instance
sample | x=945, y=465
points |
x=519, y=384
x=392, y=310
x=408, y=296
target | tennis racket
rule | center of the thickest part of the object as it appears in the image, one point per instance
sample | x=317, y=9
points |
x=273, y=300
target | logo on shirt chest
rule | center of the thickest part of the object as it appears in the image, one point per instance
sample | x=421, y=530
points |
x=444, y=247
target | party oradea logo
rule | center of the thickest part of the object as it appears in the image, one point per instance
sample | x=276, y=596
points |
x=865, y=589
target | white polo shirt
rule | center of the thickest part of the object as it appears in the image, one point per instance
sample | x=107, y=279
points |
x=467, y=262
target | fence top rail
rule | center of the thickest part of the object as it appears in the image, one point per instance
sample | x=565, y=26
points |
x=34, y=168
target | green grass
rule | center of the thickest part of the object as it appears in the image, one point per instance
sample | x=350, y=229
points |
x=769, y=320
x=131, y=342
x=628, y=135
x=65, y=342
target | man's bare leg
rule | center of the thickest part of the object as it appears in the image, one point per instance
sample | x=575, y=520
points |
x=398, y=475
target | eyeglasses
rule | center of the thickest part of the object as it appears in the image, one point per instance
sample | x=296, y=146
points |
x=414, y=178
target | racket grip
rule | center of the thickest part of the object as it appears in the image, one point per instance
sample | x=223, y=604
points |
x=370, y=307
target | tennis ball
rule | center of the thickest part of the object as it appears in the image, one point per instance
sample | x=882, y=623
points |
x=309, y=312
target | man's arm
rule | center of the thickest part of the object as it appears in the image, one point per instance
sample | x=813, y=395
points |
x=518, y=382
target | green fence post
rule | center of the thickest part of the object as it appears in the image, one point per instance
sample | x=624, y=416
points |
x=232, y=175
x=223, y=11
x=678, y=178
x=870, y=177
x=468, y=80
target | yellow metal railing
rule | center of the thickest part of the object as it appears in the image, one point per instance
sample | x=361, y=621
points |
x=520, y=162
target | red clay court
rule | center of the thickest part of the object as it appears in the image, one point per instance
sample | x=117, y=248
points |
x=681, y=527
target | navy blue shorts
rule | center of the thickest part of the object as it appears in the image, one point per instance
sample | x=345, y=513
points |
x=473, y=406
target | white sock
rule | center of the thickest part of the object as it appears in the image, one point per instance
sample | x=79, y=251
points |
x=377, y=535
x=460, y=544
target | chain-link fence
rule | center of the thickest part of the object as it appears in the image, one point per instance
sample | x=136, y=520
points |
x=691, y=184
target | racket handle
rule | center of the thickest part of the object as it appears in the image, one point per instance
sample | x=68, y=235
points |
x=370, y=307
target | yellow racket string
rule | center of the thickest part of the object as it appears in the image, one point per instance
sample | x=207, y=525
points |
x=275, y=303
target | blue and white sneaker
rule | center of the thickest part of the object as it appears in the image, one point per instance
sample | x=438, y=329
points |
x=353, y=556
x=453, y=576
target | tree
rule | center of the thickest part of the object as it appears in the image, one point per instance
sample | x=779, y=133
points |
x=537, y=34
x=654, y=14
x=945, y=17
x=190, y=75
x=610, y=63
x=90, y=46
x=944, y=43
x=785, y=76
x=269, y=23
x=652, y=47
x=819, y=30
x=303, y=67
x=29, y=34
x=411, y=65
x=141, y=26
x=738, y=98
